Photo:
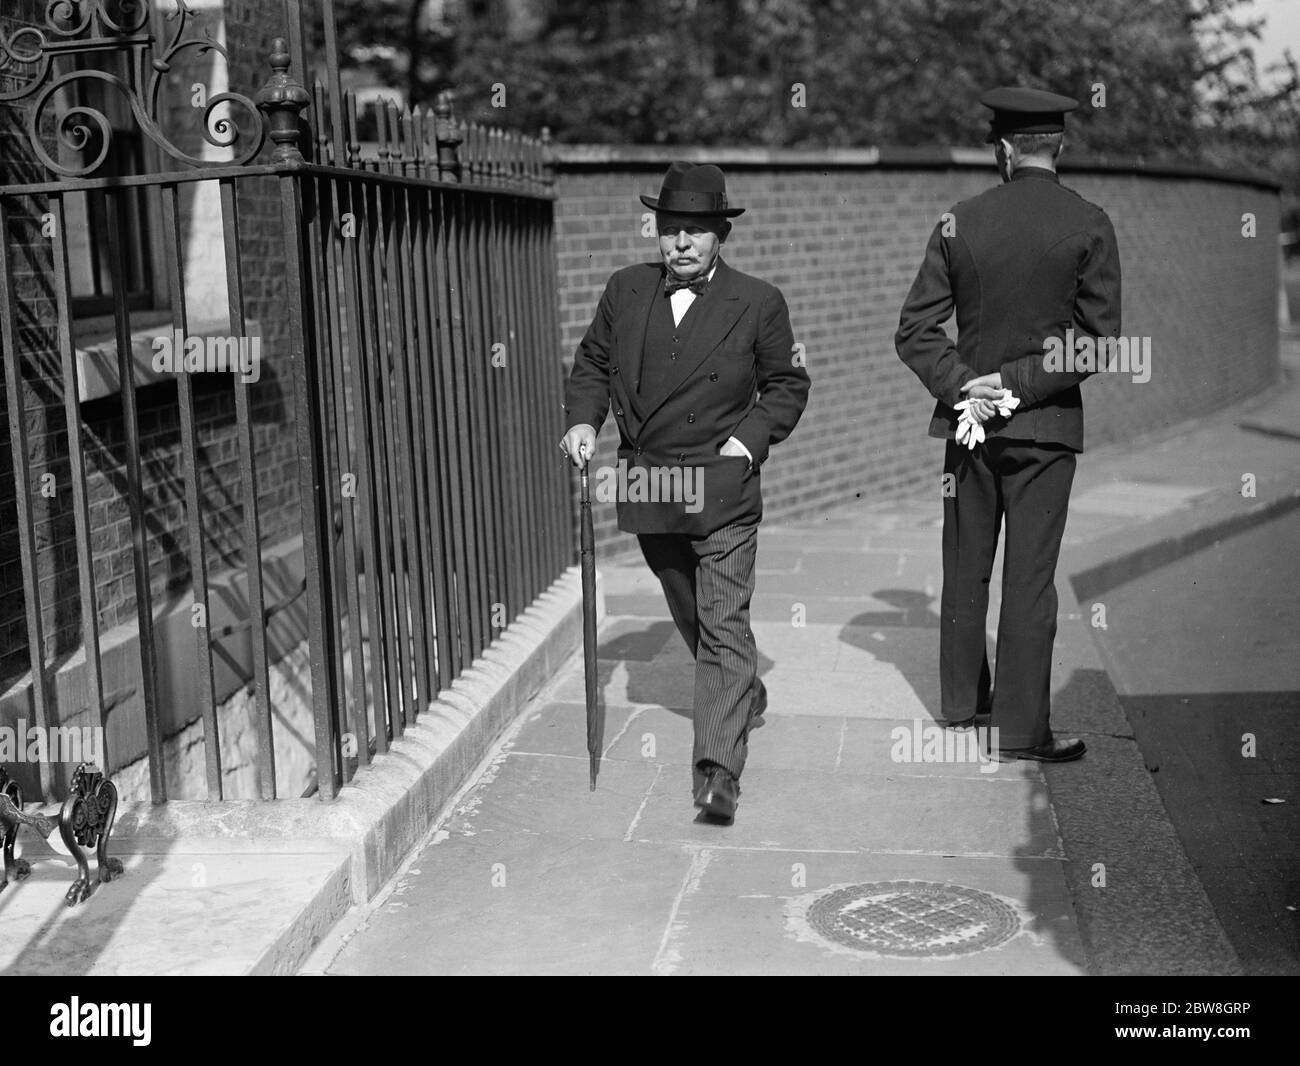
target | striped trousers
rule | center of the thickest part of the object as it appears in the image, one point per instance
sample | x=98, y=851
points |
x=708, y=582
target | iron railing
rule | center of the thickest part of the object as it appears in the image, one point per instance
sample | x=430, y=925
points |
x=419, y=312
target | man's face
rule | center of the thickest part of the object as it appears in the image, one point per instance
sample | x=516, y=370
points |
x=690, y=243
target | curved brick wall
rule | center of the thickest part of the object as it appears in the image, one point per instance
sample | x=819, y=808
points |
x=842, y=234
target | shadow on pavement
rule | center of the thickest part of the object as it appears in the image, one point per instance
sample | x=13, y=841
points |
x=1224, y=763
x=906, y=637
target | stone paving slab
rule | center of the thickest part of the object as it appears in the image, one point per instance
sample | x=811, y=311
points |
x=226, y=895
x=540, y=794
x=532, y=873
x=710, y=917
x=925, y=814
x=1135, y=499
x=632, y=684
x=525, y=904
x=878, y=691
x=561, y=728
x=874, y=746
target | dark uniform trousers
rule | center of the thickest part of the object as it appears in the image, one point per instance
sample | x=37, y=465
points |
x=1021, y=265
x=708, y=583
x=1028, y=484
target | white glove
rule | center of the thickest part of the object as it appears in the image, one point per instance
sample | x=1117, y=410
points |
x=969, y=431
x=1007, y=403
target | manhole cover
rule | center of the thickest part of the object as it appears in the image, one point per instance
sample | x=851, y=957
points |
x=913, y=919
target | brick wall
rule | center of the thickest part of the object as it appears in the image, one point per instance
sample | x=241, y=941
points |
x=842, y=235
x=249, y=27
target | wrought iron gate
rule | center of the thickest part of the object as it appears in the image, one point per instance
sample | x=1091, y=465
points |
x=416, y=286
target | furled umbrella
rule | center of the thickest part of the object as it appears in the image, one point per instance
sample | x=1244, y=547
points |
x=595, y=713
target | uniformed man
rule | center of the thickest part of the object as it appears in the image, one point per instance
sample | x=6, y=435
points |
x=1020, y=265
x=697, y=359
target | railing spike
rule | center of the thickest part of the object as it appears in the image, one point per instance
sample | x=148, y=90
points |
x=469, y=150
x=417, y=138
x=409, y=153
x=324, y=150
x=350, y=115
x=547, y=160
x=396, y=152
x=381, y=127
x=448, y=138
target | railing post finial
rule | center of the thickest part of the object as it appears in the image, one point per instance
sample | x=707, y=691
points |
x=448, y=137
x=283, y=100
x=548, y=159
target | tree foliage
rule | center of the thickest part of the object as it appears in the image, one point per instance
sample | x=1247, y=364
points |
x=1177, y=78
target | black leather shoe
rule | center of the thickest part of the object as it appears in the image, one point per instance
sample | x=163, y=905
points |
x=1052, y=751
x=719, y=794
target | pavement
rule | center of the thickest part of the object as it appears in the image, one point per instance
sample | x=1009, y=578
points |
x=1216, y=723
x=861, y=845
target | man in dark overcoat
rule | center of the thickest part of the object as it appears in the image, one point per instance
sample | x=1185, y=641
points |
x=1027, y=266
x=699, y=365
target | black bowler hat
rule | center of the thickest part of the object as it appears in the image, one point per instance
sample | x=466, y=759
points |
x=1018, y=110
x=691, y=189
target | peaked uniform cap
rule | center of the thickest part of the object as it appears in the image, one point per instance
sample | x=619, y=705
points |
x=1020, y=110
x=693, y=189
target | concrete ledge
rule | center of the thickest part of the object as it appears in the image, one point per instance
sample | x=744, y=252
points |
x=388, y=808
x=1172, y=538
x=96, y=342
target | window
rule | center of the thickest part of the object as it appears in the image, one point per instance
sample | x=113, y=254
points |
x=95, y=283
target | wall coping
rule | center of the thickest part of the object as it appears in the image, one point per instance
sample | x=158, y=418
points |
x=95, y=340
x=582, y=157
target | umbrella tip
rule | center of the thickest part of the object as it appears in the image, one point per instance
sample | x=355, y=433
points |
x=595, y=769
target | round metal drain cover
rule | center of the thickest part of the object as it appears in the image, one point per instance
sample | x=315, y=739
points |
x=913, y=919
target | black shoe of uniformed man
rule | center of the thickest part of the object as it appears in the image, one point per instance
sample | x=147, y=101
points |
x=977, y=721
x=720, y=792
x=1052, y=751
x=983, y=716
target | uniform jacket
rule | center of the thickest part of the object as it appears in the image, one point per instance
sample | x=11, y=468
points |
x=1023, y=262
x=735, y=376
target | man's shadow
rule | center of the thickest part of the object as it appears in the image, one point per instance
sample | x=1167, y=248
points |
x=661, y=674
x=907, y=637
x=660, y=670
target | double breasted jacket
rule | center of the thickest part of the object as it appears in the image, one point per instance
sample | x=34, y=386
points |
x=735, y=374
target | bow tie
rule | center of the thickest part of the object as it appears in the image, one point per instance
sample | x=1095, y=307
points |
x=696, y=285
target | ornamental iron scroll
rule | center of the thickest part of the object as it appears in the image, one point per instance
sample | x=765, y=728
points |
x=85, y=28
x=84, y=821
